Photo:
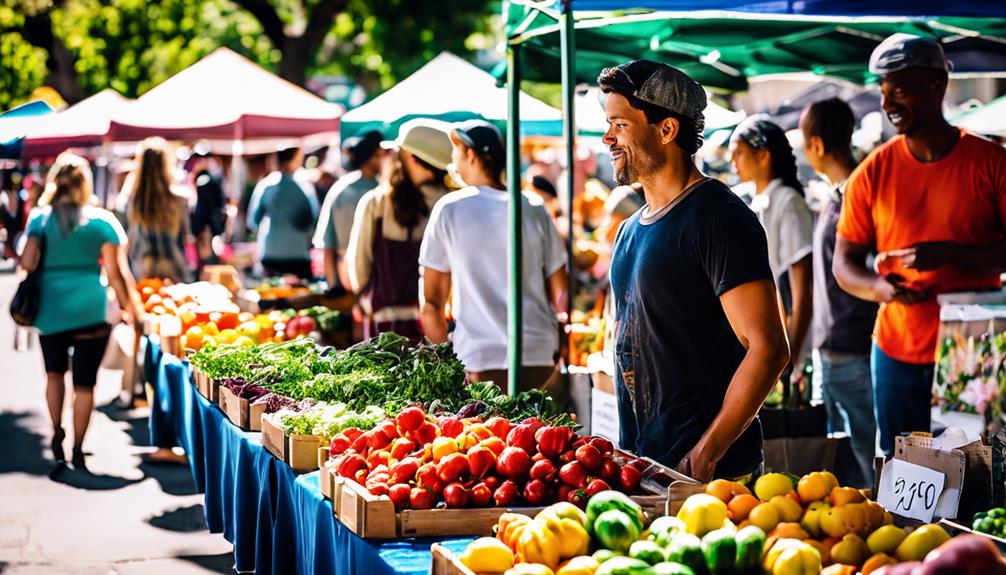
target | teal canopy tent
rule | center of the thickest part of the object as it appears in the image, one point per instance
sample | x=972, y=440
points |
x=448, y=88
x=721, y=45
x=15, y=123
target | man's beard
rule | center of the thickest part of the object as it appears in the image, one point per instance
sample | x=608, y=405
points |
x=643, y=166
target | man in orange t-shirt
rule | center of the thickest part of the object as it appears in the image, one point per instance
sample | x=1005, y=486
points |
x=932, y=204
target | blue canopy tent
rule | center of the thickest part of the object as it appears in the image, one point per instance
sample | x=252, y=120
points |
x=719, y=43
x=14, y=124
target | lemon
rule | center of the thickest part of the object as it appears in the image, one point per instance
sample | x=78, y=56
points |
x=886, y=539
x=772, y=484
x=487, y=554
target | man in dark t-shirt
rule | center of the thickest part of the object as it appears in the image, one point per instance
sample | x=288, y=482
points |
x=699, y=340
x=843, y=323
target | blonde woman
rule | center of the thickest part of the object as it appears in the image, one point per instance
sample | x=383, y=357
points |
x=157, y=215
x=79, y=239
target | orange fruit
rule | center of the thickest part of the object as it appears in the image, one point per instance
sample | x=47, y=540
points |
x=210, y=328
x=740, y=506
x=720, y=489
x=765, y=516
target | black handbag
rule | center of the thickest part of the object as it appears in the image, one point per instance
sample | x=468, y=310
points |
x=24, y=306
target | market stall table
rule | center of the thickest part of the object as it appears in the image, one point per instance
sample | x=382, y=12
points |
x=278, y=521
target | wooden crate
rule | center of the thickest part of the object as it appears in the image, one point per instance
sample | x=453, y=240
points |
x=374, y=517
x=302, y=452
x=273, y=439
x=445, y=563
x=240, y=411
x=665, y=489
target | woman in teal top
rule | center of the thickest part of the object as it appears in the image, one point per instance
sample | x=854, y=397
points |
x=80, y=239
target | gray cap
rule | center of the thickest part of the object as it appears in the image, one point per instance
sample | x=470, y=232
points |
x=900, y=51
x=663, y=86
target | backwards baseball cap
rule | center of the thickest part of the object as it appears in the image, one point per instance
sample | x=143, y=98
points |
x=900, y=51
x=358, y=149
x=426, y=139
x=660, y=85
x=481, y=136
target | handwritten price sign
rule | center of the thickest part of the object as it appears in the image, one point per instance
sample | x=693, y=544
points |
x=910, y=490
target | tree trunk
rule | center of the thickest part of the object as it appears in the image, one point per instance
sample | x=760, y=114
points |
x=60, y=60
x=296, y=55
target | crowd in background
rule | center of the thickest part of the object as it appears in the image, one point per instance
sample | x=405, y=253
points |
x=416, y=228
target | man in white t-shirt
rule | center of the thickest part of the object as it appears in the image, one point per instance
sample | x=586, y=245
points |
x=464, y=253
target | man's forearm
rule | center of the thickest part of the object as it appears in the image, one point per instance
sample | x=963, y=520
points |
x=855, y=278
x=751, y=384
x=331, y=275
x=434, y=322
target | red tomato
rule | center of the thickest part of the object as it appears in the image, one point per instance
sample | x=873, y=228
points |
x=452, y=467
x=573, y=474
x=500, y=426
x=506, y=494
x=400, y=494
x=425, y=433
x=630, y=478
x=456, y=496
x=481, y=495
x=480, y=461
x=514, y=463
x=536, y=492
x=405, y=470
x=401, y=447
x=420, y=498
x=596, y=486
x=602, y=444
x=610, y=471
x=522, y=436
x=589, y=456
x=494, y=444
x=410, y=418
x=544, y=470
x=451, y=426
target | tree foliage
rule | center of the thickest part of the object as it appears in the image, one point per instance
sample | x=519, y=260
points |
x=83, y=46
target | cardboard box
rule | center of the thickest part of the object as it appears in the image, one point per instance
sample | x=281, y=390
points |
x=331, y=485
x=604, y=415
x=273, y=439
x=302, y=452
x=241, y=412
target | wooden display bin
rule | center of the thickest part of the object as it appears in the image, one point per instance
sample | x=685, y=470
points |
x=374, y=517
x=206, y=387
x=331, y=486
x=445, y=563
x=241, y=412
x=300, y=452
x=273, y=439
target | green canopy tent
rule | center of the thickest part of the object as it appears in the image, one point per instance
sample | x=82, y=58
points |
x=989, y=119
x=721, y=46
x=451, y=89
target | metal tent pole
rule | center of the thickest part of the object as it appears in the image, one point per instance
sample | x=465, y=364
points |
x=515, y=300
x=568, y=49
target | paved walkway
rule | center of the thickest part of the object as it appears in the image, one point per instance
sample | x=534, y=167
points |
x=124, y=517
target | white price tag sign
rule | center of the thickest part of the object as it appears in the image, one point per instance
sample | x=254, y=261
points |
x=910, y=490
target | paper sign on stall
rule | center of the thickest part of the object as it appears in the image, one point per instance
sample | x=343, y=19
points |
x=911, y=490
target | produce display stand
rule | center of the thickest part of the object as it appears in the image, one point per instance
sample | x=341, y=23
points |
x=277, y=519
x=300, y=452
x=445, y=563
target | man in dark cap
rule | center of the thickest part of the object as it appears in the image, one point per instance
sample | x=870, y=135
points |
x=699, y=340
x=362, y=156
x=931, y=202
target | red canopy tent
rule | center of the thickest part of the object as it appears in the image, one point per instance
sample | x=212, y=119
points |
x=225, y=96
x=83, y=124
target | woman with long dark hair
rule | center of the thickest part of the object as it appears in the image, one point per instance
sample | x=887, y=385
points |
x=383, y=253
x=157, y=215
x=79, y=239
x=761, y=154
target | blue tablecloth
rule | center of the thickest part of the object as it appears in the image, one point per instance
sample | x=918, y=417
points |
x=277, y=520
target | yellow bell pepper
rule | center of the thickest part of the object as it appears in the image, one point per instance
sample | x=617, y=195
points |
x=565, y=509
x=487, y=555
x=509, y=526
x=920, y=542
x=538, y=544
x=791, y=557
x=702, y=513
x=571, y=535
x=582, y=565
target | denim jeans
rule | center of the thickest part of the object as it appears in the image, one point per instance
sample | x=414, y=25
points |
x=845, y=384
x=903, y=394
